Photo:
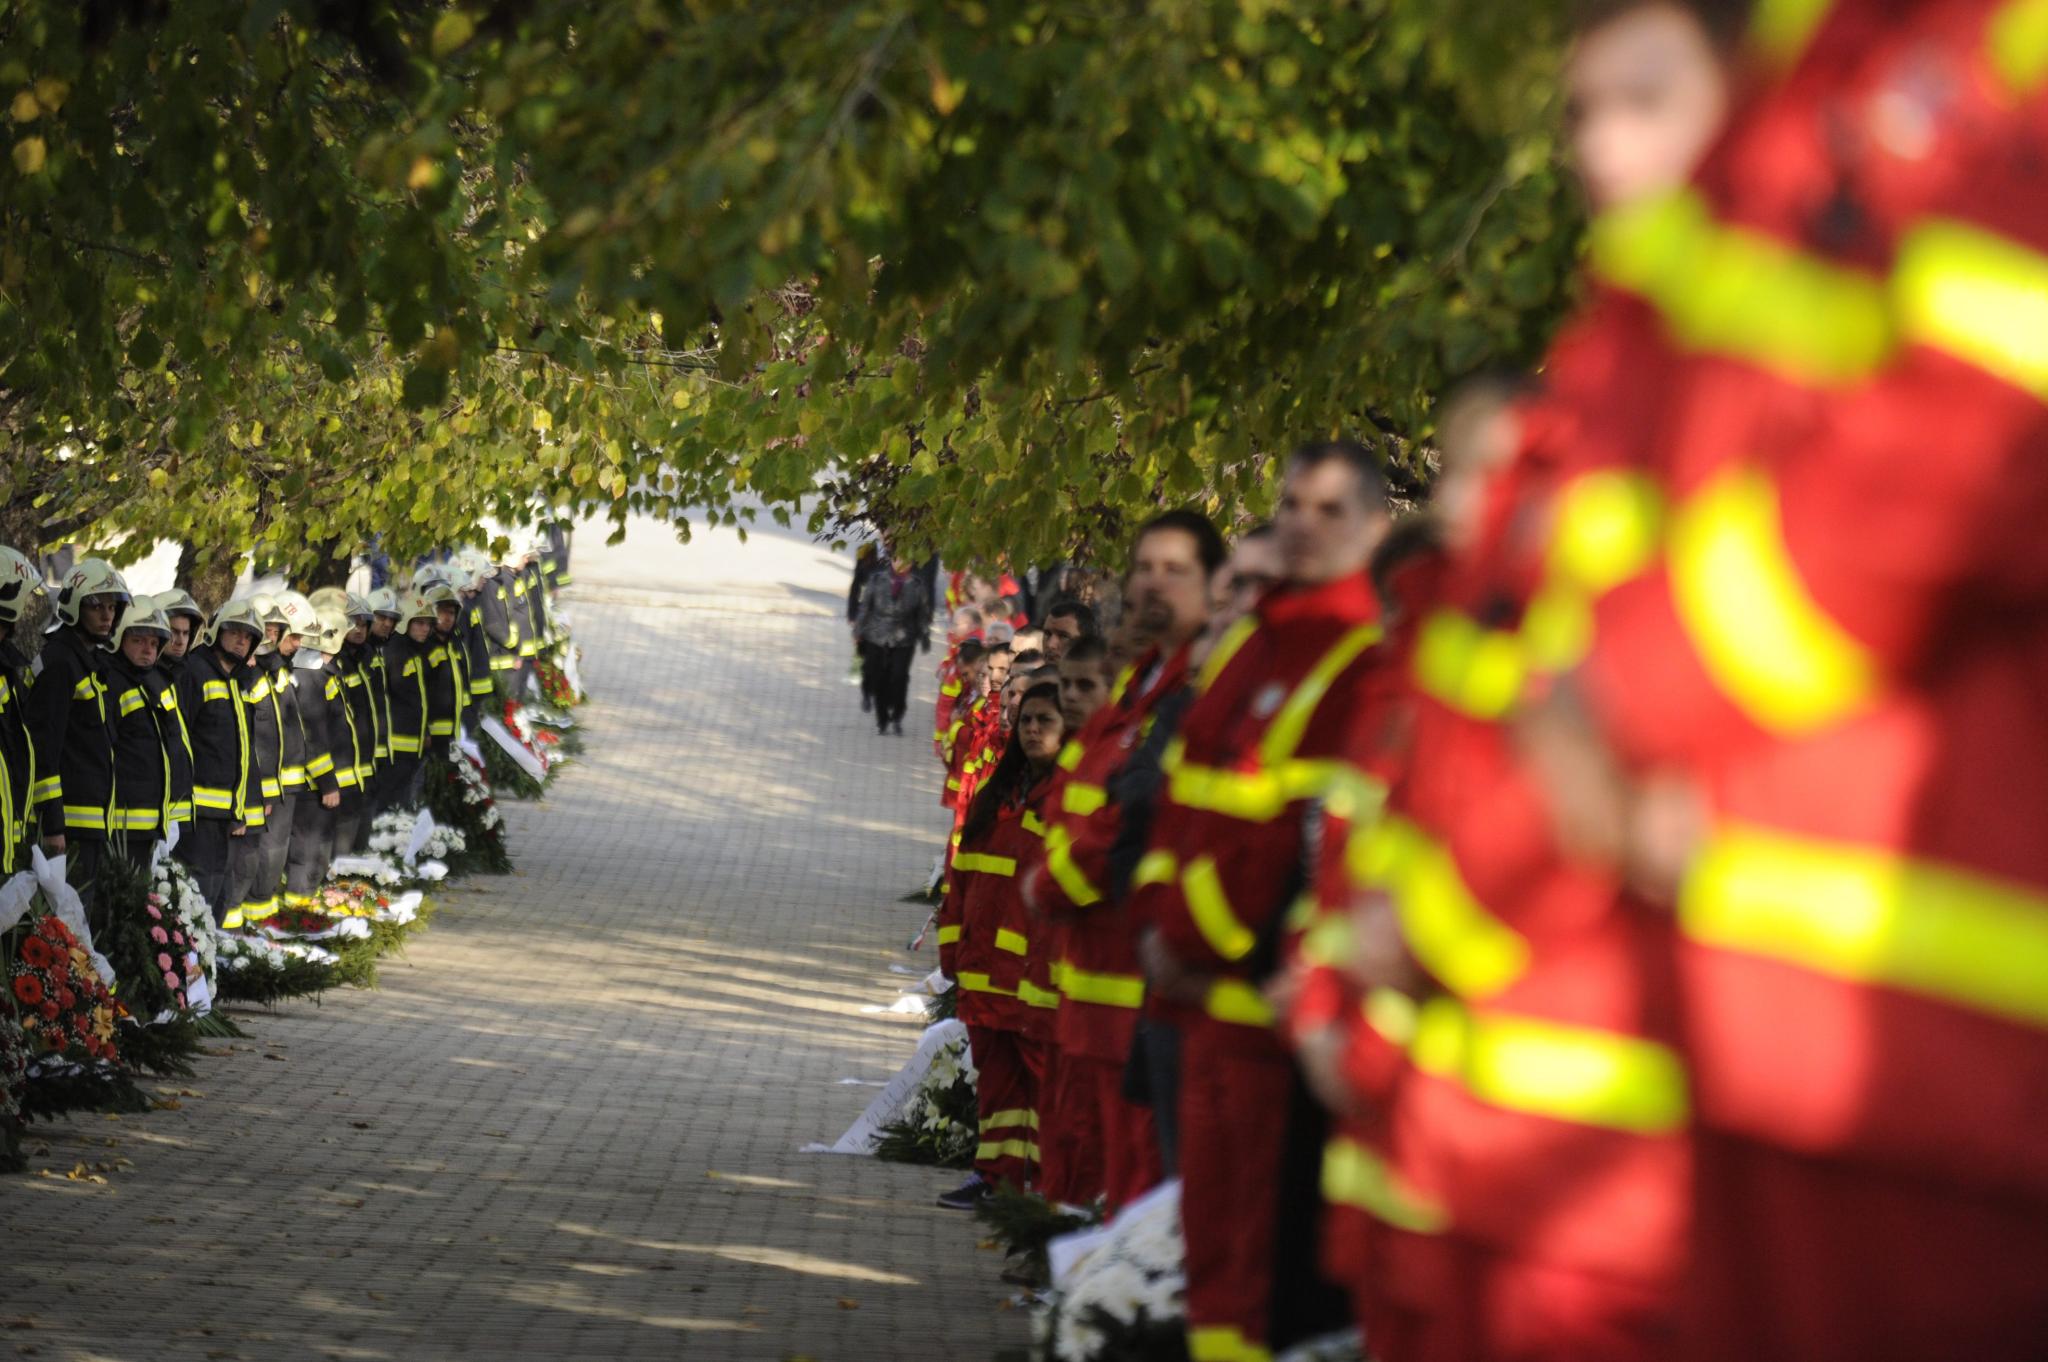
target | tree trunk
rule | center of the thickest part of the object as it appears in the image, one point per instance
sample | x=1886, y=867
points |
x=209, y=574
x=335, y=561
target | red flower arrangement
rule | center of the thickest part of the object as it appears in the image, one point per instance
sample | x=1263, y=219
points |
x=67, y=1010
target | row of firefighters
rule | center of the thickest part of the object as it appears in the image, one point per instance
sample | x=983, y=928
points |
x=1616, y=928
x=262, y=740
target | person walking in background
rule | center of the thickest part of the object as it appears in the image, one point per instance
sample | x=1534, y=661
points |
x=866, y=562
x=888, y=624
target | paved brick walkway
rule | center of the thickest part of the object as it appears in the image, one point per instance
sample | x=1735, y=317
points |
x=566, y=1126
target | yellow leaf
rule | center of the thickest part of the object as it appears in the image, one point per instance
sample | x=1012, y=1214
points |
x=451, y=31
x=425, y=171
x=542, y=422
x=680, y=399
x=51, y=93
x=947, y=93
x=29, y=154
x=25, y=108
x=159, y=479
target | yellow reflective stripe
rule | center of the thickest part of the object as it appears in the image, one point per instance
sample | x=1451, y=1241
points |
x=1468, y=668
x=1728, y=290
x=1329, y=940
x=1285, y=733
x=1209, y=906
x=84, y=689
x=1226, y=648
x=1010, y=1116
x=1392, y=1014
x=47, y=790
x=1607, y=529
x=1223, y=1343
x=441, y=728
x=181, y=811
x=1547, y=1068
x=2017, y=44
x=1355, y=1176
x=1059, y=863
x=1070, y=755
x=974, y=981
x=254, y=816
x=1157, y=866
x=985, y=864
x=1872, y=916
x=271, y=789
x=480, y=685
x=1013, y=942
x=1033, y=824
x=80, y=816
x=1106, y=990
x=949, y=934
x=1781, y=29
x=132, y=700
x=950, y=688
x=404, y=743
x=233, y=920
x=1016, y=1149
x=258, y=692
x=321, y=765
x=293, y=775
x=1034, y=996
x=212, y=797
x=345, y=777
x=1254, y=796
x=1765, y=642
x=130, y=820
x=1472, y=952
x=1237, y=1002
x=1081, y=799
x=1978, y=296
x=504, y=662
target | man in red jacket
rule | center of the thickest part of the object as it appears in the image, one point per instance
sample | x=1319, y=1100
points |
x=1813, y=723
x=1258, y=746
x=1082, y=883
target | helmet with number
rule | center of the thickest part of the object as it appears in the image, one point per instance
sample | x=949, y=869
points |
x=90, y=577
x=355, y=609
x=334, y=627
x=272, y=613
x=144, y=614
x=175, y=603
x=384, y=601
x=418, y=607
x=438, y=592
x=300, y=617
x=243, y=615
x=19, y=583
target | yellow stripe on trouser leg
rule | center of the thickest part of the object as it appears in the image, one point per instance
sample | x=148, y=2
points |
x=1224, y=1343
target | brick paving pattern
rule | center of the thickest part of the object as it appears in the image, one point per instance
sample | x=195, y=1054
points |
x=566, y=1124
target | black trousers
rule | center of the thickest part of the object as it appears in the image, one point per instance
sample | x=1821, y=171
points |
x=203, y=850
x=351, y=822
x=888, y=671
x=312, y=848
x=82, y=862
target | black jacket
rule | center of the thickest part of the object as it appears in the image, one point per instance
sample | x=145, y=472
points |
x=144, y=733
x=504, y=626
x=362, y=687
x=284, y=689
x=266, y=739
x=405, y=671
x=72, y=726
x=330, y=737
x=17, y=762
x=224, y=783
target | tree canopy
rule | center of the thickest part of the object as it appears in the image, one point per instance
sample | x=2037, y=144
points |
x=299, y=272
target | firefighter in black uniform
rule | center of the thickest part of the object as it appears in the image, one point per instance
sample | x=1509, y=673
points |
x=224, y=783
x=71, y=724
x=146, y=734
x=20, y=584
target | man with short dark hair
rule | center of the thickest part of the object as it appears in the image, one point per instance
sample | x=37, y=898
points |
x=1093, y=1140
x=1065, y=622
x=1254, y=752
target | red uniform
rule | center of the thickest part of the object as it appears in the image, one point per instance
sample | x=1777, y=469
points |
x=1101, y=985
x=1259, y=742
x=984, y=945
x=1844, y=636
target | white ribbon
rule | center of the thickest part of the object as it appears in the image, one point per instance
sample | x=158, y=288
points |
x=15, y=897
x=69, y=908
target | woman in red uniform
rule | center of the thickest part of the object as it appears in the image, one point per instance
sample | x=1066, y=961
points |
x=984, y=945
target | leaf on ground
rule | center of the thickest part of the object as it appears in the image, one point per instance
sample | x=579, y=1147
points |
x=848, y=1303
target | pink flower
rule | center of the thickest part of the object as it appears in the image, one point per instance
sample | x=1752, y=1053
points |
x=163, y=961
x=152, y=910
x=178, y=937
x=159, y=935
x=171, y=982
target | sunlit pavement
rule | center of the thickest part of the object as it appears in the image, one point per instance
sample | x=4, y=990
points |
x=566, y=1125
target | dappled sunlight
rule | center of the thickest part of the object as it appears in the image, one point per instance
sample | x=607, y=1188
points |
x=785, y=1260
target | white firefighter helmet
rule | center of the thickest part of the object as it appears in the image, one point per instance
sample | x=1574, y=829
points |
x=143, y=613
x=20, y=582
x=384, y=601
x=242, y=614
x=90, y=577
